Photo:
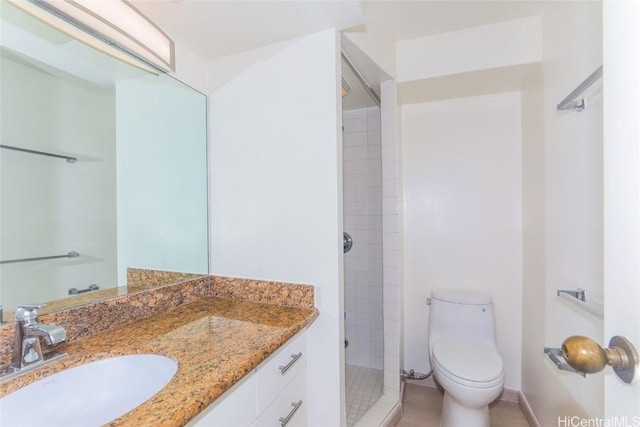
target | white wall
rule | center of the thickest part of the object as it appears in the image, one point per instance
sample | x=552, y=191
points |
x=497, y=45
x=572, y=209
x=225, y=68
x=463, y=214
x=362, y=180
x=533, y=235
x=276, y=193
x=50, y=207
x=561, y=200
x=190, y=68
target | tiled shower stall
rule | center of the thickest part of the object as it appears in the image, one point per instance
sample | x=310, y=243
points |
x=363, y=299
x=371, y=273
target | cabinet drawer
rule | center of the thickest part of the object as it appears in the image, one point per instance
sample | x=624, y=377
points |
x=280, y=369
x=289, y=408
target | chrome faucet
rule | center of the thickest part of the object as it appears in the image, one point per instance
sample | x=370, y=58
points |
x=27, y=350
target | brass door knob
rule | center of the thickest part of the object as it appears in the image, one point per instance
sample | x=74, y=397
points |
x=585, y=355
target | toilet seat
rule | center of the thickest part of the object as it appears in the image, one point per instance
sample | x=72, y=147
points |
x=471, y=364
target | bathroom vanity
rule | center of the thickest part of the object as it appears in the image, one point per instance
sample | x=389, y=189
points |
x=234, y=336
x=273, y=394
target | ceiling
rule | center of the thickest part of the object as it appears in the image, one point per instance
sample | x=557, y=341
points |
x=213, y=28
x=396, y=20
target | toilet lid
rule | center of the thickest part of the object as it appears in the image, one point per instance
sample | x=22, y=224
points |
x=469, y=361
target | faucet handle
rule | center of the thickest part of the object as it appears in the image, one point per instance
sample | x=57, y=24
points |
x=28, y=312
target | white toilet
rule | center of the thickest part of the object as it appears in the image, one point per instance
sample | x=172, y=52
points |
x=464, y=356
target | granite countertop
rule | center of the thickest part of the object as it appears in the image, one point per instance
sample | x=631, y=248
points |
x=215, y=341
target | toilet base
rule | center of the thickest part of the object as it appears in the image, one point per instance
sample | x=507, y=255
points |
x=455, y=415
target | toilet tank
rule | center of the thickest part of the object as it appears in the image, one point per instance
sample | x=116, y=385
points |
x=461, y=314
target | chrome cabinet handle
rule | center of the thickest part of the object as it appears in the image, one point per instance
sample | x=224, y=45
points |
x=285, y=420
x=294, y=359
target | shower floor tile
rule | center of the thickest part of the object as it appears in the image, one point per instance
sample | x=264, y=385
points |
x=363, y=389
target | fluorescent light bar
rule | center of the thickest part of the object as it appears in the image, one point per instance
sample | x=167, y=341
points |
x=116, y=23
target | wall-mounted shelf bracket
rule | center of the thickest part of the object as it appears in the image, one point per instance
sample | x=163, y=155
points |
x=555, y=354
x=577, y=105
x=579, y=293
x=571, y=102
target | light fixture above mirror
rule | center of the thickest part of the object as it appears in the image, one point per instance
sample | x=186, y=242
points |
x=112, y=26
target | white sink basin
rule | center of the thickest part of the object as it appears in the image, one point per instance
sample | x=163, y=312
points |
x=88, y=395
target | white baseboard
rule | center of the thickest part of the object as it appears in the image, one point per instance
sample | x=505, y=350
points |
x=527, y=411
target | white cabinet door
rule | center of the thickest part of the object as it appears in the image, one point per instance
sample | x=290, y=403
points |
x=236, y=408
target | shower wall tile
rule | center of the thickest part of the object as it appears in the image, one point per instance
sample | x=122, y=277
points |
x=391, y=310
x=363, y=205
x=390, y=241
x=375, y=252
x=374, y=152
x=362, y=291
x=390, y=188
x=377, y=293
x=373, y=140
x=391, y=276
x=391, y=294
x=377, y=323
x=375, y=307
x=391, y=259
x=390, y=169
x=389, y=206
x=391, y=154
x=390, y=223
x=377, y=361
x=359, y=123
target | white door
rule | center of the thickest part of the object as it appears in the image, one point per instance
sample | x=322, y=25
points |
x=621, y=31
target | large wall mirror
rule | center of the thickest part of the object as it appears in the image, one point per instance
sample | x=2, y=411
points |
x=102, y=168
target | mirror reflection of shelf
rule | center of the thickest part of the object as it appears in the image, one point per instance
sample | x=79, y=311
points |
x=72, y=254
x=69, y=159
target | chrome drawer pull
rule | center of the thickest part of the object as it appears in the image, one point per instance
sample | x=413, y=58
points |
x=284, y=421
x=294, y=359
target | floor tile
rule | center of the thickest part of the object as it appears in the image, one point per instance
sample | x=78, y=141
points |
x=423, y=405
x=363, y=389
